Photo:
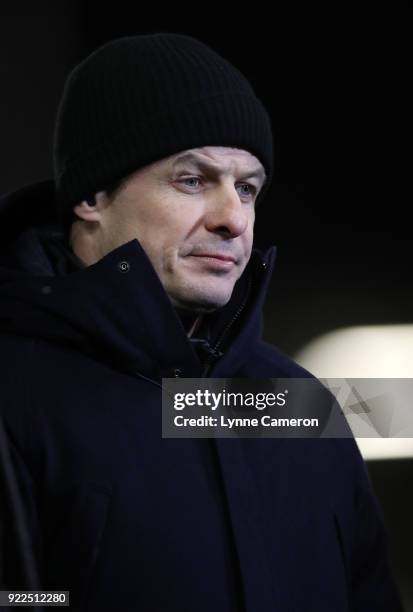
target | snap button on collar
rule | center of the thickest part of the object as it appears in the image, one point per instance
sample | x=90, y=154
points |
x=123, y=266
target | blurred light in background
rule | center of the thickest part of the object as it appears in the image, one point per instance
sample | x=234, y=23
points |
x=371, y=351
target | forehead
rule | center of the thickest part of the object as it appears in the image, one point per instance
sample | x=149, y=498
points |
x=224, y=159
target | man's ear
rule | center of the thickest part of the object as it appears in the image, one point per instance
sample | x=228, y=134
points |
x=91, y=208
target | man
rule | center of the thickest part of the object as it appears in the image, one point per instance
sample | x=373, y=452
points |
x=142, y=267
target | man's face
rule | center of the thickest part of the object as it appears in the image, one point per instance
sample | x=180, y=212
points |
x=193, y=213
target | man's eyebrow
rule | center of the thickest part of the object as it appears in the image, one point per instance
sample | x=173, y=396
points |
x=258, y=172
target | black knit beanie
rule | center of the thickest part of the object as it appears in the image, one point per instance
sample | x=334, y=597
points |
x=139, y=99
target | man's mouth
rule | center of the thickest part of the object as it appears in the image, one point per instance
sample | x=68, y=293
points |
x=219, y=256
x=218, y=262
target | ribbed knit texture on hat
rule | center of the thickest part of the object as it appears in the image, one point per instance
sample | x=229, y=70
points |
x=139, y=99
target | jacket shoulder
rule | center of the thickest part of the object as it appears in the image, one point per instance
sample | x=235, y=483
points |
x=265, y=359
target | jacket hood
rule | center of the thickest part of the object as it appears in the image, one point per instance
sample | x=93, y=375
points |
x=117, y=309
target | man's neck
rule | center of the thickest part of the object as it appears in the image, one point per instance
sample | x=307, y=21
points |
x=190, y=320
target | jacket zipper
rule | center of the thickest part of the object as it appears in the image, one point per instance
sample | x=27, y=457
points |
x=214, y=349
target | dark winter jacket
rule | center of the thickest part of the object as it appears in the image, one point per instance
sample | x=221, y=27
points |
x=127, y=520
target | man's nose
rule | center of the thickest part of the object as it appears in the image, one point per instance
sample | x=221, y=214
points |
x=227, y=214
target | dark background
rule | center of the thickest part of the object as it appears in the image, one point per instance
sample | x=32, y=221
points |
x=338, y=90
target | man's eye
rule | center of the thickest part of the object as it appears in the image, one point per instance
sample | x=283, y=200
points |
x=190, y=178
x=252, y=190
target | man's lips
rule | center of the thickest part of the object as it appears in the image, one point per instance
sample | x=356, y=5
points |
x=219, y=256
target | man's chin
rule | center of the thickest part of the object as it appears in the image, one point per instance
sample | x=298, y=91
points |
x=199, y=303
